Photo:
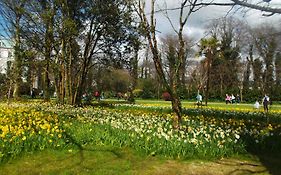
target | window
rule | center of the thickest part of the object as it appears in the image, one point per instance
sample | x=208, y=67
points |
x=9, y=54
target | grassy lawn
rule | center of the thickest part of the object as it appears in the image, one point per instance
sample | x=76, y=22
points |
x=124, y=161
x=221, y=105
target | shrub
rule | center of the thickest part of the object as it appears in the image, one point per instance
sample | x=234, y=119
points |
x=166, y=96
x=137, y=93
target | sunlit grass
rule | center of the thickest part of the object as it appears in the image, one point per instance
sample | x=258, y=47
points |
x=211, y=105
x=109, y=160
x=96, y=160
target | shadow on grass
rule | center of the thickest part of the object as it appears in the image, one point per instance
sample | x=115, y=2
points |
x=82, y=150
x=243, y=167
x=268, y=152
x=79, y=159
x=266, y=163
x=272, y=161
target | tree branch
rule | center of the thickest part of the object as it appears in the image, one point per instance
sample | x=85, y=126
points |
x=271, y=10
x=196, y=5
x=257, y=7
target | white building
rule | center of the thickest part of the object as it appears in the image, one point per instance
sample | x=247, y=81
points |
x=6, y=54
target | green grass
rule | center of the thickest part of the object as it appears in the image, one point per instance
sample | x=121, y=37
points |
x=107, y=160
x=190, y=104
x=74, y=161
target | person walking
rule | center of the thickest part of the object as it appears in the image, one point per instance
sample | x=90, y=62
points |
x=265, y=102
x=32, y=93
x=257, y=105
x=227, y=99
x=199, y=99
x=97, y=95
x=238, y=99
x=232, y=98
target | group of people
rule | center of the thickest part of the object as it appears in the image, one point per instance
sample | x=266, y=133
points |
x=265, y=102
x=231, y=99
x=87, y=97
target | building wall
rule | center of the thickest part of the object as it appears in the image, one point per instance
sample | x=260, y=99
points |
x=6, y=54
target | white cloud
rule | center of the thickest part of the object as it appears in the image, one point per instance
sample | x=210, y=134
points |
x=197, y=22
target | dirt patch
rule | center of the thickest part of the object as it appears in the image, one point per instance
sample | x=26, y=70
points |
x=220, y=167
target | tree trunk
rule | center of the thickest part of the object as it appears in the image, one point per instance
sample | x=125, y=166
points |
x=46, y=85
x=80, y=86
x=177, y=108
x=134, y=75
x=152, y=41
x=62, y=83
x=221, y=86
x=18, y=59
x=68, y=76
x=209, y=58
x=58, y=81
x=62, y=72
x=48, y=22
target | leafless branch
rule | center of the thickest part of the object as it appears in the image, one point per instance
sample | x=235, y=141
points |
x=243, y=3
x=196, y=5
x=169, y=19
x=257, y=7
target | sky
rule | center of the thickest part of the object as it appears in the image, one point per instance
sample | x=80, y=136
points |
x=196, y=25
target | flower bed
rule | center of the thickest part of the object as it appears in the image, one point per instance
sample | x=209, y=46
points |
x=203, y=133
x=25, y=129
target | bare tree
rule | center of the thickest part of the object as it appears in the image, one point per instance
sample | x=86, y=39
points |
x=149, y=25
